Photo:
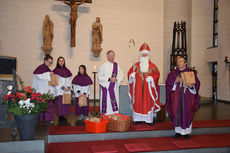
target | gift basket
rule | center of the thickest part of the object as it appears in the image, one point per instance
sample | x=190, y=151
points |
x=95, y=125
x=117, y=122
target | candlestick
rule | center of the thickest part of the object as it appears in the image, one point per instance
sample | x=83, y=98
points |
x=94, y=113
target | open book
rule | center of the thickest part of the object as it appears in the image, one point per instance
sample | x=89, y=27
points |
x=189, y=77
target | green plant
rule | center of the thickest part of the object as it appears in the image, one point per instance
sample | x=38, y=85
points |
x=27, y=101
x=193, y=69
x=20, y=81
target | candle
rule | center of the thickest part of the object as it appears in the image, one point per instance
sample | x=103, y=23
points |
x=94, y=68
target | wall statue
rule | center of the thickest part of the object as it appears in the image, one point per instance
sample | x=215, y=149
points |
x=97, y=37
x=48, y=35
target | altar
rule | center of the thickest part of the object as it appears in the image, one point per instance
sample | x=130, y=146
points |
x=124, y=107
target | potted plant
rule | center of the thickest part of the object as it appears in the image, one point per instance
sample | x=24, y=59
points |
x=26, y=106
x=193, y=69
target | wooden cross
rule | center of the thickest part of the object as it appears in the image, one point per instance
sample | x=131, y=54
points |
x=73, y=4
x=87, y=1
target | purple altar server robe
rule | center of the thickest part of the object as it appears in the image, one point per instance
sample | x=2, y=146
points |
x=63, y=81
x=82, y=83
x=40, y=84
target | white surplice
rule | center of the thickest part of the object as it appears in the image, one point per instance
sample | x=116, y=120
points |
x=40, y=83
x=82, y=89
x=62, y=82
x=104, y=73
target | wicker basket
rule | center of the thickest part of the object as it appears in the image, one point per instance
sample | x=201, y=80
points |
x=119, y=125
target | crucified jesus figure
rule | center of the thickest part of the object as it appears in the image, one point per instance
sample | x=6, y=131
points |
x=73, y=18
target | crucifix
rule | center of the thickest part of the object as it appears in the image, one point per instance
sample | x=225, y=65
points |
x=73, y=4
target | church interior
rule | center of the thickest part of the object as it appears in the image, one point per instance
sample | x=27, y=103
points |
x=198, y=30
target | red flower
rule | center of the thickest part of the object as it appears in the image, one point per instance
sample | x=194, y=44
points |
x=27, y=88
x=40, y=99
x=6, y=97
x=20, y=95
x=11, y=95
x=38, y=94
x=30, y=91
x=35, y=96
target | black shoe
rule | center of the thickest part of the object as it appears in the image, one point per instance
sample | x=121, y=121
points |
x=136, y=122
x=60, y=118
x=64, y=119
x=186, y=136
x=79, y=122
x=150, y=124
x=51, y=123
x=177, y=135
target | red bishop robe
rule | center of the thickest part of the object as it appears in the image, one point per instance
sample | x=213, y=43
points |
x=146, y=93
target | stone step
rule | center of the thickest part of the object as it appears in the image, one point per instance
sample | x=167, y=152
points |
x=33, y=146
x=130, y=135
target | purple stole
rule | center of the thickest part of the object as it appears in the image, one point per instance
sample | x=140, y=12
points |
x=111, y=93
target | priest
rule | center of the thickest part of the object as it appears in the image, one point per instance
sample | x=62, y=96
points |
x=40, y=84
x=182, y=99
x=110, y=76
x=143, y=79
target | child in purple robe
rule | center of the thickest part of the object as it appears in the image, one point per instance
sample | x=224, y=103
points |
x=40, y=84
x=81, y=84
x=64, y=86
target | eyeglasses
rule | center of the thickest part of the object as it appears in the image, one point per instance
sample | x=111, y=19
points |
x=50, y=63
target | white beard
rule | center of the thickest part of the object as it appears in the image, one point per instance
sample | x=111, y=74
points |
x=144, y=64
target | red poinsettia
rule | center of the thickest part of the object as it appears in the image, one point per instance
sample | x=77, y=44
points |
x=27, y=89
x=21, y=95
x=26, y=101
x=35, y=96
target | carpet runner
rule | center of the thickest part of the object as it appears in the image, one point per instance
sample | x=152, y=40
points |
x=141, y=144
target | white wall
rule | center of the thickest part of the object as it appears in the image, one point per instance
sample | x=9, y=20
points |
x=201, y=34
x=212, y=54
x=199, y=24
x=223, y=83
x=175, y=10
x=21, y=32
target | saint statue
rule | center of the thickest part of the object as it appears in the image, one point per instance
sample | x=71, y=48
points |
x=48, y=35
x=97, y=37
